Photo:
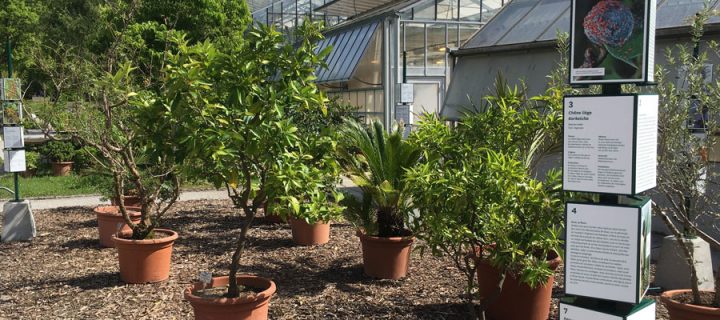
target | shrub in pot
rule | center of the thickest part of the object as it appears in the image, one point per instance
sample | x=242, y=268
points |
x=60, y=153
x=233, y=105
x=477, y=200
x=32, y=159
x=109, y=115
x=687, y=116
x=375, y=161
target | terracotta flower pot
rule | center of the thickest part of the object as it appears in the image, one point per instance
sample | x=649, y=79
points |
x=110, y=221
x=306, y=234
x=61, y=168
x=130, y=201
x=386, y=258
x=253, y=307
x=143, y=261
x=683, y=311
x=517, y=301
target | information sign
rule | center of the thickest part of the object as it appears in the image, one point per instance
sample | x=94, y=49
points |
x=14, y=161
x=585, y=309
x=610, y=143
x=10, y=89
x=13, y=137
x=608, y=250
x=612, y=41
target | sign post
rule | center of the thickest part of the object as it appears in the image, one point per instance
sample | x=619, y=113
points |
x=610, y=143
x=18, y=221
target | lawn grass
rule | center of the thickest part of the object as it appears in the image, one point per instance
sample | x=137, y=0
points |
x=72, y=185
x=48, y=186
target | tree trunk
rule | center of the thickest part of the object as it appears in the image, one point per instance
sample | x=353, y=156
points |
x=389, y=223
x=233, y=291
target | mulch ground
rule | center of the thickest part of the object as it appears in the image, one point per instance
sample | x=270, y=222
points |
x=65, y=274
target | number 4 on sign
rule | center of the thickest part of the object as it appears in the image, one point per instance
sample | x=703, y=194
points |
x=574, y=210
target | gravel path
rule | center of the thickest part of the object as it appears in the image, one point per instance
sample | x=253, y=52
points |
x=64, y=274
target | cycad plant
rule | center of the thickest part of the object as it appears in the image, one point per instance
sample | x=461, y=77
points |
x=376, y=161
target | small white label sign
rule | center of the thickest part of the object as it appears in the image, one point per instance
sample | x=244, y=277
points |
x=407, y=92
x=13, y=137
x=570, y=312
x=205, y=277
x=14, y=160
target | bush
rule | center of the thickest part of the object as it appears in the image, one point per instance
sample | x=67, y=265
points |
x=58, y=151
x=32, y=159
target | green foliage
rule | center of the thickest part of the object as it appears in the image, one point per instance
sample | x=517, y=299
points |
x=683, y=166
x=32, y=159
x=249, y=117
x=376, y=162
x=58, y=150
x=473, y=198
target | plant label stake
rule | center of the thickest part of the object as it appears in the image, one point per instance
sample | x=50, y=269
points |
x=205, y=277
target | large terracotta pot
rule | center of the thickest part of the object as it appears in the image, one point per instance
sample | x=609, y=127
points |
x=246, y=308
x=130, y=201
x=61, y=168
x=386, y=258
x=110, y=221
x=683, y=311
x=143, y=261
x=306, y=234
x=517, y=301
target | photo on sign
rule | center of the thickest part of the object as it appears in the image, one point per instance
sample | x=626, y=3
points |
x=11, y=89
x=11, y=112
x=609, y=40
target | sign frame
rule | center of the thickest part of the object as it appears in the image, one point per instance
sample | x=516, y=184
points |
x=642, y=268
x=632, y=189
x=647, y=67
x=619, y=311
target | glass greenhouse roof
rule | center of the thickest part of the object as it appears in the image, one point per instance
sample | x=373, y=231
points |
x=527, y=21
x=348, y=47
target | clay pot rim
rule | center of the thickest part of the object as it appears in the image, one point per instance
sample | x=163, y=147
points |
x=293, y=218
x=667, y=298
x=171, y=236
x=363, y=236
x=132, y=211
x=261, y=296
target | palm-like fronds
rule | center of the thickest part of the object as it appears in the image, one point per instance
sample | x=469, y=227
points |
x=376, y=162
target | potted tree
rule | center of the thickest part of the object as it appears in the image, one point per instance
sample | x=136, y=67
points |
x=479, y=202
x=96, y=98
x=375, y=161
x=687, y=117
x=232, y=107
x=60, y=153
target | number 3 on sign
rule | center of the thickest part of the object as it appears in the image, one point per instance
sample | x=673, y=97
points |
x=574, y=210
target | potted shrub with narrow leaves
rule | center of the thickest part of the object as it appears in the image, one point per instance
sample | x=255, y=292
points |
x=375, y=161
x=477, y=200
x=687, y=195
x=233, y=107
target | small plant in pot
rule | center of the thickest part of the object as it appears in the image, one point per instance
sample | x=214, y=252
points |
x=375, y=161
x=233, y=106
x=686, y=193
x=478, y=202
x=60, y=153
x=32, y=159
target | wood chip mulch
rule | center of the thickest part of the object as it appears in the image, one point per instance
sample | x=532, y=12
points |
x=65, y=274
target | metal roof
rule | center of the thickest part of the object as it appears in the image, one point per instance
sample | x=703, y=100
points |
x=352, y=8
x=348, y=47
x=530, y=21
